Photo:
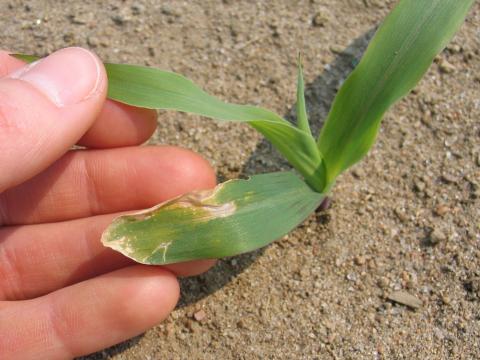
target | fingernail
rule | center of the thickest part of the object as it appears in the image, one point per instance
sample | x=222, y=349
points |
x=66, y=77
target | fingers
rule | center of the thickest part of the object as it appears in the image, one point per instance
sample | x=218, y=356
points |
x=116, y=125
x=120, y=125
x=88, y=316
x=86, y=183
x=38, y=259
x=45, y=108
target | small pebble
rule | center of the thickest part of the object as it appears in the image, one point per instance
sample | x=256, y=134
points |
x=78, y=19
x=137, y=8
x=450, y=179
x=360, y=260
x=382, y=282
x=455, y=48
x=337, y=49
x=170, y=11
x=358, y=173
x=446, y=300
x=441, y=210
x=401, y=215
x=119, y=19
x=404, y=298
x=69, y=38
x=241, y=324
x=169, y=329
x=92, y=41
x=426, y=119
x=446, y=67
x=190, y=325
x=200, y=315
x=419, y=185
x=351, y=277
x=319, y=20
x=437, y=236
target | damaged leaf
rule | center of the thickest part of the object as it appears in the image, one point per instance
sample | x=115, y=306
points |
x=235, y=217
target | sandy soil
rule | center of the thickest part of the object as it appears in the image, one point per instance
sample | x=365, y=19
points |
x=404, y=219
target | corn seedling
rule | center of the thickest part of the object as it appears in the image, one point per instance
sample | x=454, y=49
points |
x=242, y=215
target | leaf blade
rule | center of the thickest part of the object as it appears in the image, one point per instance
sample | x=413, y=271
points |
x=238, y=216
x=399, y=54
x=154, y=88
x=302, y=116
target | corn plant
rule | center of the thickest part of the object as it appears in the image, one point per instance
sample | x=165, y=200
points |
x=242, y=215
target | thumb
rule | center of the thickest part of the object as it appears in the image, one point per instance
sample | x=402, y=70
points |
x=45, y=107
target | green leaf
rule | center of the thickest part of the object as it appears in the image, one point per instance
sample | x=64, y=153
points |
x=397, y=57
x=25, y=57
x=235, y=217
x=157, y=89
x=302, y=117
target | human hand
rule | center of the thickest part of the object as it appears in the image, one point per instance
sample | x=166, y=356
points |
x=62, y=294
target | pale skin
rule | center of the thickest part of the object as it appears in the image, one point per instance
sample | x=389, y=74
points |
x=62, y=294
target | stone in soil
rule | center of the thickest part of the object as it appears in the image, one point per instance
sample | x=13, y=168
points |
x=404, y=298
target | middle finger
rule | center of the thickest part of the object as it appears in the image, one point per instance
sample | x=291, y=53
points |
x=93, y=182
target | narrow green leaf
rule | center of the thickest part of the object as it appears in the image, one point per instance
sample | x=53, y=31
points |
x=302, y=117
x=397, y=57
x=158, y=89
x=235, y=217
x=25, y=57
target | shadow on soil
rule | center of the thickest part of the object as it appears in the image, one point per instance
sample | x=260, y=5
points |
x=318, y=95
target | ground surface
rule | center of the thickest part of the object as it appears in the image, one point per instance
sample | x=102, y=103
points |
x=406, y=218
